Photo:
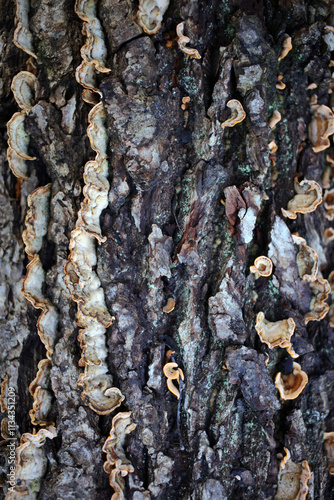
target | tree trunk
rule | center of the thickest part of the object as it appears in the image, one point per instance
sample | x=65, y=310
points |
x=191, y=204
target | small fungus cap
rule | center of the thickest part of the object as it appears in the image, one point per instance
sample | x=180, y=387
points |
x=291, y=385
x=308, y=197
x=238, y=113
x=262, y=266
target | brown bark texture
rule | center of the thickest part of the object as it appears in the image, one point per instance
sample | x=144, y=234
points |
x=190, y=207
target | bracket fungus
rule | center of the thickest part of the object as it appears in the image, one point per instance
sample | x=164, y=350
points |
x=40, y=391
x=30, y=464
x=280, y=85
x=276, y=334
x=329, y=449
x=318, y=307
x=292, y=384
x=274, y=119
x=238, y=113
x=3, y=395
x=263, y=266
x=117, y=465
x=286, y=47
x=321, y=127
x=182, y=41
x=292, y=481
x=329, y=204
x=173, y=372
x=36, y=220
x=169, y=307
x=23, y=87
x=22, y=36
x=308, y=196
x=18, y=139
x=307, y=260
x=85, y=75
x=150, y=14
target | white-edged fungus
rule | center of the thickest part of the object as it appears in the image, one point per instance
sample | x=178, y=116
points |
x=276, y=334
x=286, y=47
x=291, y=385
x=321, y=127
x=182, y=41
x=173, y=372
x=307, y=260
x=23, y=87
x=263, y=266
x=308, y=196
x=237, y=113
x=3, y=395
x=329, y=204
x=18, y=139
x=329, y=449
x=36, y=220
x=150, y=14
x=96, y=130
x=274, y=119
x=292, y=481
x=331, y=308
x=318, y=307
x=328, y=235
x=17, y=164
x=40, y=389
x=117, y=464
x=22, y=36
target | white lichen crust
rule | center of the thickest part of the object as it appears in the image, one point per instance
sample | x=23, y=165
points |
x=117, y=465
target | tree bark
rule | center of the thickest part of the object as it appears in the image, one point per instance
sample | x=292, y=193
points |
x=191, y=205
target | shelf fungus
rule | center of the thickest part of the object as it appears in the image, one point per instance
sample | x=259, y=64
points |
x=85, y=75
x=274, y=119
x=40, y=391
x=318, y=307
x=329, y=449
x=30, y=464
x=276, y=334
x=22, y=36
x=321, y=127
x=150, y=14
x=23, y=87
x=331, y=309
x=292, y=481
x=18, y=139
x=36, y=220
x=329, y=204
x=280, y=85
x=173, y=372
x=263, y=266
x=3, y=395
x=182, y=41
x=94, y=51
x=292, y=384
x=169, y=307
x=286, y=47
x=117, y=465
x=308, y=196
x=237, y=113
x=307, y=260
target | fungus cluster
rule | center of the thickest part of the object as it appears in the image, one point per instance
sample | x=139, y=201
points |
x=173, y=372
x=117, y=465
x=31, y=464
x=182, y=41
x=93, y=53
x=276, y=334
x=150, y=14
x=318, y=307
x=308, y=196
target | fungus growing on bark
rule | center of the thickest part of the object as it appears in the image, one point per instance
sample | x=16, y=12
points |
x=117, y=465
x=328, y=235
x=329, y=449
x=36, y=220
x=274, y=119
x=17, y=164
x=150, y=14
x=292, y=481
x=40, y=391
x=272, y=147
x=169, y=307
x=237, y=113
x=173, y=372
x=263, y=266
x=85, y=75
x=307, y=260
x=321, y=127
x=23, y=87
x=182, y=41
x=286, y=47
x=280, y=85
x=329, y=204
x=277, y=333
x=18, y=139
x=292, y=384
x=32, y=290
x=30, y=464
x=285, y=458
x=331, y=309
x=97, y=132
x=308, y=196
x=318, y=307
x=22, y=36
x=312, y=86
x=3, y=395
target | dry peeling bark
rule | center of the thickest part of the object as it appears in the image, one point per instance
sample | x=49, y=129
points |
x=169, y=235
